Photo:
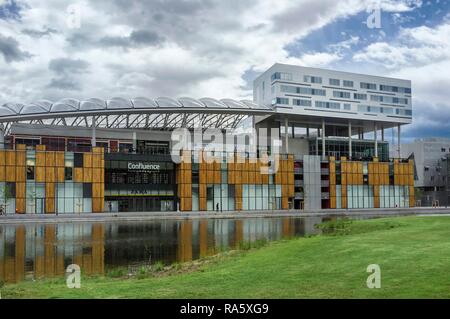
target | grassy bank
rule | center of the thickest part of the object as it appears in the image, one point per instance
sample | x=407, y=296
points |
x=413, y=253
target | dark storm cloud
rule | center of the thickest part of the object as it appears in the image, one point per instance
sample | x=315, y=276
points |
x=65, y=84
x=9, y=48
x=68, y=66
x=67, y=71
x=37, y=33
x=136, y=38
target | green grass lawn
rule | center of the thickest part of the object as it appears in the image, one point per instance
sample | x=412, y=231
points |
x=413, y=253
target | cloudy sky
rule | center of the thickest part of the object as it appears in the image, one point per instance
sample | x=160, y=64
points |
x=51, y=49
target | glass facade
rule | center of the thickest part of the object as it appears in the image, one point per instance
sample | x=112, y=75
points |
x=361, y=150
x=139, y=182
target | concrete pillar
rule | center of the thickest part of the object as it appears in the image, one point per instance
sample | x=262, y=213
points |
x=375, y=138
x=286, y=135
x=93, y=140
x=323, y=138
x=2, y=136
x=134, y=142
x=398, y=141
x=317, y=144
x=350, y=140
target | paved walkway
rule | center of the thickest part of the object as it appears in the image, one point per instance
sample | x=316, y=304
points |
x=139, y=216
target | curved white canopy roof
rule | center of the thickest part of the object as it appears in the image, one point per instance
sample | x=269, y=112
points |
x=142, y=112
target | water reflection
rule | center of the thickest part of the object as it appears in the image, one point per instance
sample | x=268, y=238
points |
x=37, y=251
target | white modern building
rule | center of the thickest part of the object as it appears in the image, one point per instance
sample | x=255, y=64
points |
x=343, y=105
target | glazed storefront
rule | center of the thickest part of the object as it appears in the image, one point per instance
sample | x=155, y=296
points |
x=138, y=182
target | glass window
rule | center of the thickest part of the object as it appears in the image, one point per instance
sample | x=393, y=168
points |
x=348, y=83
x=335, y=82
x=30, y=172
x=328, y=105
x=68, y=173
x=368, y=86
x=301, y=102
x=341, y=94
x=359, y=96
x=312, y=79
x=282, y=100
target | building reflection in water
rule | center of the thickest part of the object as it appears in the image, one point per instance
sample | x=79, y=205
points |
x=38, y=251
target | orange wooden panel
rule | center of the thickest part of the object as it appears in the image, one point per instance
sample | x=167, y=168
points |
x=49, y=189
x=49, y=205
x=277, y=178
x=50, y=159
x=202, y=203
x=97, y=189
x=50, y=174
x=59, y=159
x=87, y=175
x=2, y=157
x=202, y=190
x=40, y=174
x=265, y=179
x=244, y=176
x=78, y=174
x=332, y=202
x=40, y=158
x=344, y=179
x=2, y=173
x=10, y=158
x=217, y=177
x=20, y=158
x=97, y=204
x=284, y=178
x=350, y=179
x=209, y=177
x=10, y=173
x=20, y=205
x=237, y=177
x=60, y=175
x=87, y=160
x=97, y=160
x=291, y=190
x=40, y=147
x=284, y=203
x=21, y=173
x=20, y=190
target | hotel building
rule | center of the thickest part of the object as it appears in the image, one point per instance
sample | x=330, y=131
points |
x=95, y=155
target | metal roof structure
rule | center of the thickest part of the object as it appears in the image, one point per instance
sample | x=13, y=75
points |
x=162, y=113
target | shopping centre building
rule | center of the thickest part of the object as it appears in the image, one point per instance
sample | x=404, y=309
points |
x=310, y=139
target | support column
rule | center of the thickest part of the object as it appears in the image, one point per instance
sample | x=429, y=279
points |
x=93, y=140
x=2, y=136
x=134, y=142
x=286, y=135
x=307, y=131
x=375, y=139
x=349, y=140
x=382, y=133
x=323, y=139
x=398, y=141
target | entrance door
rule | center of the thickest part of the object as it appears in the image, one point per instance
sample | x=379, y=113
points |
x=40, y=206
x=139, y=204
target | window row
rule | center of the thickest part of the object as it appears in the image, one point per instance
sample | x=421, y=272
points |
x=337, y=82
x=302, y=90
x=389, y=99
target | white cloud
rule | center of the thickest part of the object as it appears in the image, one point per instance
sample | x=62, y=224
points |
x=200, y=47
